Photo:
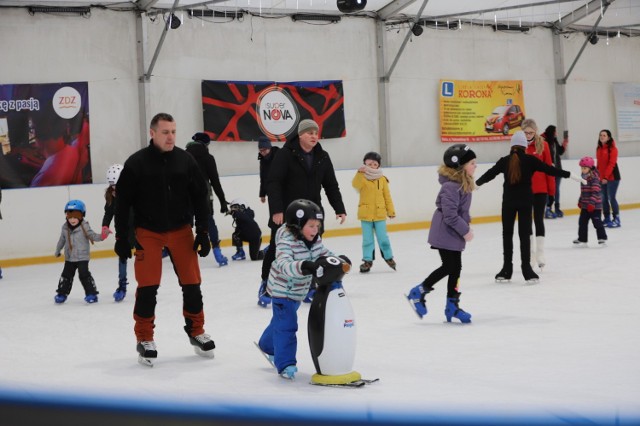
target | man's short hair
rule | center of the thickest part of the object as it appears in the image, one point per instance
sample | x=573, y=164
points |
x=162, y=116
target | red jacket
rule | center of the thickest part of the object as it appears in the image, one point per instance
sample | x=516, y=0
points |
x=542, y=183
x=606, y=159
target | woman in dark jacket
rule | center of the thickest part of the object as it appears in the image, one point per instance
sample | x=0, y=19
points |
x=557, y=150
x=517, y=198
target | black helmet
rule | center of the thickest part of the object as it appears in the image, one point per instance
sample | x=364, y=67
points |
x=372, y=156
x=457, y=155
x=300, y=211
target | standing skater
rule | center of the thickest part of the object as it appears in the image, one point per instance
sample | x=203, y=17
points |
x=590, y=204
x=517, y=198
x=299, y=171
x=542, y=186
x=298, y=247
x=75, y=238
x=607, y=157
x=113, y=174
x=166, y=190
x=557, y=151
x=199, y=148
x=374, y=207
x=450, y=230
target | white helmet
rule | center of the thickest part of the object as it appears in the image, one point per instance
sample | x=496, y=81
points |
x=240, y=202
x=113, y=173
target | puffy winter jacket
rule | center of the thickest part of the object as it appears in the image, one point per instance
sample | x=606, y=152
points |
x=542, y=183
x=285, y=278
x=76, y=241
x=450, y=221
x=375, y=198
x=590, y=194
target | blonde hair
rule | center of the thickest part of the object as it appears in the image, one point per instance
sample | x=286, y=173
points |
x=460, y=175
x=538, y=140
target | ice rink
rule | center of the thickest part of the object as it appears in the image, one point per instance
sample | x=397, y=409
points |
x=565, y=348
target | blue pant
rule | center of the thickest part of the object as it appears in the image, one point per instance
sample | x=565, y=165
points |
x=279, y=338
x=122, y=270
x=378, y=227
x=609, y=191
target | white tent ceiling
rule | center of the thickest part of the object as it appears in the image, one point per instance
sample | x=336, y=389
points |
x=567, y=15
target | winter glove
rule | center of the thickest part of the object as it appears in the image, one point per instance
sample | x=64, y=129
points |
x=123, y=248
x=591, y=208
x=224, y=207
x=577, y=179
x=551, y=200
x=57, y=254
x=579, y=206
x=202, y=241
x=346, y=259
x=105, y=232
x=308, y=267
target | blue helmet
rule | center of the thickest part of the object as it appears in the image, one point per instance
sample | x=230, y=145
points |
x=76, y=205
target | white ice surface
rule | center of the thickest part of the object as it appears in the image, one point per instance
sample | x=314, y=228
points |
x=569, y=344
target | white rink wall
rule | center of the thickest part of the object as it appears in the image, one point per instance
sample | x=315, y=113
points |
x=33, y=217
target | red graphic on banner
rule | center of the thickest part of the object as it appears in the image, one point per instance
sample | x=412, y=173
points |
x=241, y=111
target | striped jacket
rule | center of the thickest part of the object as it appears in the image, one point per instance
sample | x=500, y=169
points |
x=285, y=278
x=590, y=193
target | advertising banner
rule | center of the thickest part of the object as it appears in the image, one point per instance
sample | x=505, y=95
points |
x=243, y=111
x=479, y=111
x=44, y=135
x=627, y=99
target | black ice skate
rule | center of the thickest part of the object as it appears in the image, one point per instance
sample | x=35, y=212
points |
x=147, y=352
x=504, y=276
x=529, y=276
x=203, y=345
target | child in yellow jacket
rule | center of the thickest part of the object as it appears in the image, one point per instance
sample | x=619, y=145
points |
x=373, y=208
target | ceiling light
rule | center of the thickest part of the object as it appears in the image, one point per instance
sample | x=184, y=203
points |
x=174, y=21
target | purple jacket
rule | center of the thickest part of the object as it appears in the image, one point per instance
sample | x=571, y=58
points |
x=590, y=193
x=451, y=219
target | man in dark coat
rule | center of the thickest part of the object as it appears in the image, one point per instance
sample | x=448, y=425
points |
x=199, y=148
x=166, y=191
x=299, y=171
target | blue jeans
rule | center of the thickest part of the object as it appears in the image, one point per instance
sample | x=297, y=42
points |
x=609, y=191
x=122, y=270
x=378, y=227
x=279, y=338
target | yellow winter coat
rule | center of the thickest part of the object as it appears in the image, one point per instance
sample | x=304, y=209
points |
x=375, y=199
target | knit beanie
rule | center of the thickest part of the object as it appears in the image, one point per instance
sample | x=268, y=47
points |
x=264, y=143
x=306, y=125
x=519, y=139
x=201, y=137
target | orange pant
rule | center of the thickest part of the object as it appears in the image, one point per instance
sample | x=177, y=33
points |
x=148, y=272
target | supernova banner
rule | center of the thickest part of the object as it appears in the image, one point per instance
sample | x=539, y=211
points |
x=44, y=135
x=243, y=111
x=477, y=111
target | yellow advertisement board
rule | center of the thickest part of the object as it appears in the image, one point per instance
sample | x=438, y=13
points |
x=479, y=111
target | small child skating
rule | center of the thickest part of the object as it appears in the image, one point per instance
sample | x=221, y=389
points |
x=373, y=208
x=246, y=229
x=75, y=237
x=590, y=204
x=113, y=174
x=450, y=230
x=298, y=247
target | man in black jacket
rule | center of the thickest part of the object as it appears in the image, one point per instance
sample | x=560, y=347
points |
x=199, y=148
x=165, y=188
x=299, y=171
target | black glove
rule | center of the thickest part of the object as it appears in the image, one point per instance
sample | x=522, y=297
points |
x=346, y=259
x=202, y=241
x=224, y=207
x=122, y=248
x=308, y=267
x=551, y=200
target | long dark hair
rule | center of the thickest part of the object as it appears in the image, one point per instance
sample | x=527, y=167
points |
x=550, y=134
x=514, y=173
x=608, y=132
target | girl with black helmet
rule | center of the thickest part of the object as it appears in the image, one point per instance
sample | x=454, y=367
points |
x=298, y=247
x=450, y=230
x=373, y=208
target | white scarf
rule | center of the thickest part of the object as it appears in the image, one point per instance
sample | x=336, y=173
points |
x=372, y=174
